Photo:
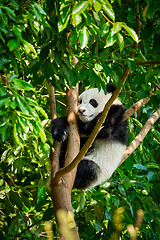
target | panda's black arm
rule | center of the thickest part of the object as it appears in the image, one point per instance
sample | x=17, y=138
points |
x=60, y=129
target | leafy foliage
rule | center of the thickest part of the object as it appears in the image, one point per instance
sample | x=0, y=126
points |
x=38, y=40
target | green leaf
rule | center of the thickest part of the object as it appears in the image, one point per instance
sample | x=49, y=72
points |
x=39, y=9
x=26, y=86
x=131, y=32
x=97, y=6
x=139, y=166
x=104, y=29
x=13, y=44
x=84, y=37
x=80, y=7
x=115, y=200
x=107, y=69
x=17, y=138
x=38, y=127
x=91, y=78
x=29, y=47
x=116, y=28
x=19, y=164
x=5, y=154
x=41, y=110
x=15, y=198
x=120, y=41
x=23, y=124
x=142, y=94
x=69, y=74
x=10, y=13
x=108, y=9
x=64, y=19
x=4, y=100
x=14, y=103
x=77, y=19
x=21, y=84
x=152, y=165
x=139, y=124
x=22, y=105
x=17, y=32
x=131, y=64
x=48, y=214
x=110, y=39
x=26, y=201
x=73, y=37
x=41, y=194
x=122, y=189
x=82, y=201
x=151, y=176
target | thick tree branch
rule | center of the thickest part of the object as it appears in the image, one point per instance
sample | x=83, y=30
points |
x=136, y=106
x=56, y=148
x=139, y=138
x=72, y=149
x=61, y=190
x=52, y=103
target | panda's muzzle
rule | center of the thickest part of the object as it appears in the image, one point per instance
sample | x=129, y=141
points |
x=82, y=111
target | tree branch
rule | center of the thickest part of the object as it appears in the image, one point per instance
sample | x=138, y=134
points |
x=136, y=106
x=139, y=138
x=61, y=190
x=148, y=63
x=56, y=148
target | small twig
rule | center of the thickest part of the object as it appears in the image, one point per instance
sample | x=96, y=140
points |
x=148, y=63
x=107, y=19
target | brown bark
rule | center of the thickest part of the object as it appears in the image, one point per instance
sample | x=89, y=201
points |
x=135, y=107
x=61, y=190
x=147, y=63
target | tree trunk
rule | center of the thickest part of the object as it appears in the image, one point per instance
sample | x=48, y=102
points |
x=61, y=189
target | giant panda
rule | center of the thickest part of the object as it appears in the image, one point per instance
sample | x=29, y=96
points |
x=107, y=150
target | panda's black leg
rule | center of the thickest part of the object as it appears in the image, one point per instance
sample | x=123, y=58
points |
x=87, y=173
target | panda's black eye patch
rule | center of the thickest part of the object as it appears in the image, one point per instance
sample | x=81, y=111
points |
x=80, y=101
x=93, y=102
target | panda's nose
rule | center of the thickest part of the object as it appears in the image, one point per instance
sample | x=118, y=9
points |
x=82, y=110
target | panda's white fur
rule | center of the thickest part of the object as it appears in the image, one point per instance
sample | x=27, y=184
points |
x=107, y=155
x=107, y=150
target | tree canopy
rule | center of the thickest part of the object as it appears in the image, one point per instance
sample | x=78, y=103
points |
x=62, y=43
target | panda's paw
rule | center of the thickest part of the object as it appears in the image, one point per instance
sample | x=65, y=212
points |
x=60, y=129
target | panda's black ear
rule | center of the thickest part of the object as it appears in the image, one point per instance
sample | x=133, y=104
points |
x=110, y=88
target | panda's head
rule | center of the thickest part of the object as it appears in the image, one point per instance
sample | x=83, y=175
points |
x=92, y=102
